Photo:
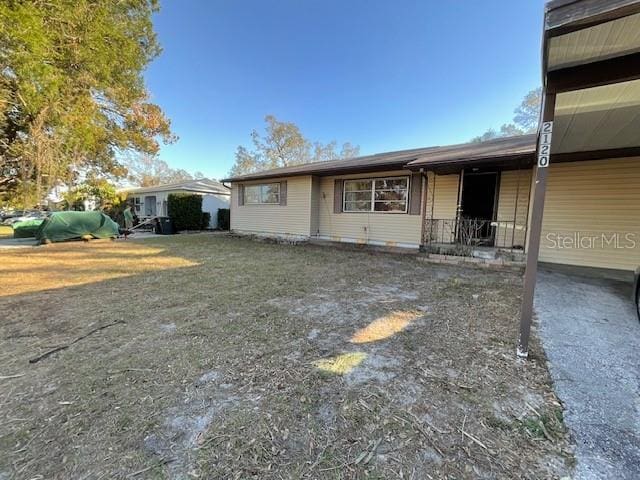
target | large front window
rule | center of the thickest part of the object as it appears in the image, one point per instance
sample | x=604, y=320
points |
x=376, y=195
x=268, y=193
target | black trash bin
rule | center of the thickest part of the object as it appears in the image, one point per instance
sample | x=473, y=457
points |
x=164, y=226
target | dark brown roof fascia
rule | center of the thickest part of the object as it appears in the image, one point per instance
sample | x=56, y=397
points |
x=595, y=155
x=504, y=162
x=595, y=74
x=566, y=16
x=323, y=173
x=411, y=161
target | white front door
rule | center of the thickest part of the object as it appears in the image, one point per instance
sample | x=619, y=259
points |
x=150, y=206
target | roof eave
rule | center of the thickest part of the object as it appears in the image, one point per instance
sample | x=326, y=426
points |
x=565, y=16
x=494, y=159
x=321, y=172
x=511, y=147
x=182, y=189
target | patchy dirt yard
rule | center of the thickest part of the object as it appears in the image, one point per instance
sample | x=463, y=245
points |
x=229, y=358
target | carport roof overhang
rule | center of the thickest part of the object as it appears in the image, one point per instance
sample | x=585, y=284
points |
x=591, y=93
x=591, y=67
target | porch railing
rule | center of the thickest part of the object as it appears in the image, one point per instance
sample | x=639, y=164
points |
x=475, y=232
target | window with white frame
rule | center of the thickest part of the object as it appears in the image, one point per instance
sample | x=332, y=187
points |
x=137, y=204
x=267, y=193
x=376, y=195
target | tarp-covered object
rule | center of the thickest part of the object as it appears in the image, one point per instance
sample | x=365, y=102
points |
x=62, y=226
x=27, y=228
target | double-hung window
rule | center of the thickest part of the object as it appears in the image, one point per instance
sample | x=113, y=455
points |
x=267, y=193
x=376, y=195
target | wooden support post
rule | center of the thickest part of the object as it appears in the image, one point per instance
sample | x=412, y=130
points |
x=456, y=233
x=433, y=200
x=515, y=207
x=535, y=230
x=423, y=209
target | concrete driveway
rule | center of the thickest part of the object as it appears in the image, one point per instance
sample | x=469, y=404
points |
x=16, y=243
x=591, y=335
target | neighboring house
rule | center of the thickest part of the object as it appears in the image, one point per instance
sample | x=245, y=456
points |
x=56, y=194
x=152, y=201
x=473, y=194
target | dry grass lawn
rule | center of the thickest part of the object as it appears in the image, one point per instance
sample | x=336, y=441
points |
x=242, y=359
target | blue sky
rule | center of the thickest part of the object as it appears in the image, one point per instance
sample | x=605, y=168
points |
x=385, y=75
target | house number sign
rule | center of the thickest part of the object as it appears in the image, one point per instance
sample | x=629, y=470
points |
x=544, y=149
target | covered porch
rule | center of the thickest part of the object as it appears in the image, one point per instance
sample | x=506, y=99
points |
x=477, y=197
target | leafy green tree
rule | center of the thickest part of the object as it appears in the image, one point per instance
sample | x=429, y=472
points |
x=284, y=145
x=100, y=190
x=525, y=120
x=72, y=95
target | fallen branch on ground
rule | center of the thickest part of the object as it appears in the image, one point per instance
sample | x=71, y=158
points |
x=125, y=370
x=433, y=427
x=158, y=464
x=64, y=347
x=416, y=424
x=366, y=456
x=474, y=439
x=7, y=377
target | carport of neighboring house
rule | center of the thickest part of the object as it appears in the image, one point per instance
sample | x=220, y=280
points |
x=591, y=69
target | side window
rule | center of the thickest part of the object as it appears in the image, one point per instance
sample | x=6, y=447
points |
x=268, y=193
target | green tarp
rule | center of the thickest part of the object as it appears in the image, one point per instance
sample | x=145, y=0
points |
x=62, y=226
x=27, y=228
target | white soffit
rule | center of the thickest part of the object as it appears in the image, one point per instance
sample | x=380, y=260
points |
x=597, y=118
x=606, y=40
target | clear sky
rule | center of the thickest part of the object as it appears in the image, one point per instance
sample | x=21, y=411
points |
x=385, y=75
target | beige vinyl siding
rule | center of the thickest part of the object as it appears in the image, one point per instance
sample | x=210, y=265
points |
x=586, y=200
x=290, y=219
x=513, y=184
x=383, y=228
x=442, y=202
